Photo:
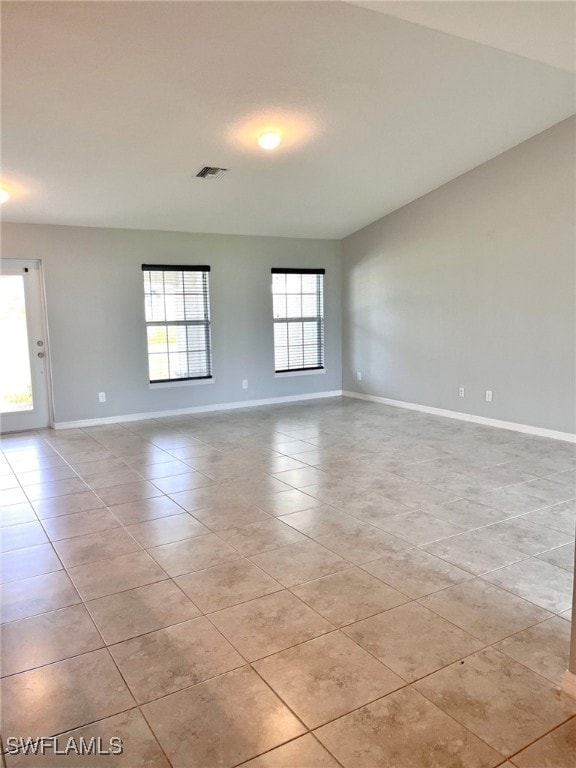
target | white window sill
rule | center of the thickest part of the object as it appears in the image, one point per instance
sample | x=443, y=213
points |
x=299, y=373
x=190, y=383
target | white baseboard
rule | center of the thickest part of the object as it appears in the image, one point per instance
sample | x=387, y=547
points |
x=568, y=684
x=526, y=428
x=192, y=410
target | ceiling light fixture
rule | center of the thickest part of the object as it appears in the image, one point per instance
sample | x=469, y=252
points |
x=269, y=140
x=4, y=195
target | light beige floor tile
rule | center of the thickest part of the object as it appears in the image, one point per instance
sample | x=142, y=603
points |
x=484, y=610
x=363, y=545
x=254, y=486
x=404, y=730
x=348, y=596
x=539, y=582
x=141, y=610
x=12, y=496
x=95, y=546
x=368, y=507
x=192, y=452
x=164, y=469
x=556, y=750
x=235, y=717
x=9, y=481
x=300, y=478
x=304, y=752
x=562, y=557
x=390, y=459
x=80, y=524
x=28, y=463
x=321, y=521
x=467, y=514
x=412, y=641
x=213, y=496
x=139, y=747
x=106, y=577
x=106, y=480
x=287, y=502
x=25, y=563
x=67, y=505
x=93, y=467
x=16, y=514
x=173, y=658
x=145, y=509
x=526, y=497
x=420, y=528
x=415, y=495
x=560, y=517
x=55, y=488
x=44, y=639
x=289, y=447
x=22, y=536
x=284, y=463
x=416, y=573
x=543, y=648
x=219, y=517
x=166, y=530
x=121, y=494
x=473, y=553
x=64, y=695
x=550, y=489
x=228, y=584
x=78, y=458
x=501, y=701
x=296, y=563
x=261, y=537
x=566, y=477
x=518, y=533
x=182, y=482
x=29, y=597
x=193, y=554
x=349, y=677
x=269, y=624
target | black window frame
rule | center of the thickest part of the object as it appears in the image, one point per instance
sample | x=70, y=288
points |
x=205, y=322
x=318, y=319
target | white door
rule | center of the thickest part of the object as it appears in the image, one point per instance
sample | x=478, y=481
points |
x=24, y=379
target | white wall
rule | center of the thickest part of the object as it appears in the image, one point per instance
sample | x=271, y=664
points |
x=95, y=309
x=473, y=285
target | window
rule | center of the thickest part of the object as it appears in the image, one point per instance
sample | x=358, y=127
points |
x=298, y=305
x=177, y=322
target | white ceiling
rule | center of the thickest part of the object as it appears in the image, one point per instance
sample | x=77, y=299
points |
x=542, y=31
x=109, y=109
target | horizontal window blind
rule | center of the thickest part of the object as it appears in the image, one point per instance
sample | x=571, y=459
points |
x=177, y=306
x=298, y=308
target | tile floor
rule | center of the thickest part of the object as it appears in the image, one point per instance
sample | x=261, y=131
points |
x=326, y=584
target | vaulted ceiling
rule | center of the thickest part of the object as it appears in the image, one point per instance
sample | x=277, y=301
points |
x=109, y=109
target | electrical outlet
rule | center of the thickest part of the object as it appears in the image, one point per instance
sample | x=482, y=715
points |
x=358, y=375
x=244, y=383
x=488, y=395
x=461, y=392
x=102, y=397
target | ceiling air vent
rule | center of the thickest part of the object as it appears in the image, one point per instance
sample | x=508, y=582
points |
x=210, y=172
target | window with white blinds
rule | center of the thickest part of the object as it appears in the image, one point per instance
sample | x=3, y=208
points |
x=177, y=306
x=298, y=307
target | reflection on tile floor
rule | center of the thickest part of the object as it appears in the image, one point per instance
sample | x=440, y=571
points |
x=313, y=585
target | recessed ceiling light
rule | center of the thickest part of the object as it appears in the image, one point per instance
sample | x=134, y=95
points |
x=4, y=195
x=269, y=140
